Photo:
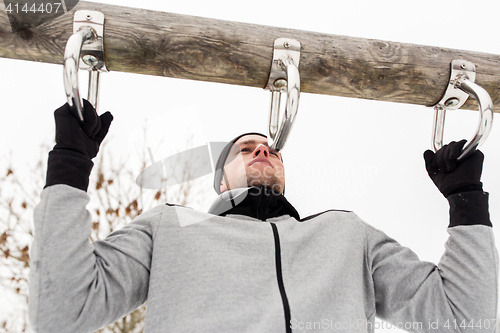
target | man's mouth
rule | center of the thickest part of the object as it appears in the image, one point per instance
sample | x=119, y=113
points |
x=260, y=160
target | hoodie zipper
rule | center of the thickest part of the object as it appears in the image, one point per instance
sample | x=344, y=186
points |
x=277, y=252
x=279, y=275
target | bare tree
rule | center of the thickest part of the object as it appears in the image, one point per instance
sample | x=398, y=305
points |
x=115, y=201
x=18, y=196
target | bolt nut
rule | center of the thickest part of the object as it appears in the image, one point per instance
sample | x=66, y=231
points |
x=453, y=101
x=286, y=45
x=463, y=66
x=280, y=83
x=88, y=17
x=90, y=60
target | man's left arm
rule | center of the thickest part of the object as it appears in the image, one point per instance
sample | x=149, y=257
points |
x=460, y=294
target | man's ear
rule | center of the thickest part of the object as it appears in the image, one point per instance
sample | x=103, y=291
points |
x=223, y=187
x=223, y=183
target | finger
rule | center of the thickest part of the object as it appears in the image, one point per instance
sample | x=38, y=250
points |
x=72, y=111
x=476, y=155
x=450, y=156
x=440, y=158
x=473, y=162
x=454, y=151
x=64, y=110
x=65, y=122
x=105, y=119
x=92, y=124
x=428, y=158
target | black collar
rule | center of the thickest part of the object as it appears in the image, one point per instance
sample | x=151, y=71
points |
x=258, y=202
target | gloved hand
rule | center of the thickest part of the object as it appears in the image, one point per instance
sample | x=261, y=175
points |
x=84, y=138
x=70, y=162
x=452, y=176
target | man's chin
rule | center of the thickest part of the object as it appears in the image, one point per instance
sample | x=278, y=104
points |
x=271, y=185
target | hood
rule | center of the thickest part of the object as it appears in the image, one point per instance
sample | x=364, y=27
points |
x=258, y=202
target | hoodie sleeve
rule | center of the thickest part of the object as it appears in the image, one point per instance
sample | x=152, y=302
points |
x=79, y=286
x=457, y=295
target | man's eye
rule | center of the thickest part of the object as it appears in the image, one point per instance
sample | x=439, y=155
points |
x=242, y=150
x=275, y=153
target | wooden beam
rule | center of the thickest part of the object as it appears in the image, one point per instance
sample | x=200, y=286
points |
x=195, y=48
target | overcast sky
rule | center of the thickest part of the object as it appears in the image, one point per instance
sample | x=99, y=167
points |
x=343, y=153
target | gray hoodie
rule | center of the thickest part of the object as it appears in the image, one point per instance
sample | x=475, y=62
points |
x=331, y=272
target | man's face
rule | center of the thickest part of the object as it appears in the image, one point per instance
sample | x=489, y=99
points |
x=252, y=163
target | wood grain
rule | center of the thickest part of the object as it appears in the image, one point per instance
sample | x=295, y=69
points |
x=195, y=48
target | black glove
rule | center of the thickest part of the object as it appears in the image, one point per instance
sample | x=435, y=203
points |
x=460, y=183
x=84, y=138
x=452, y=176
x=76, y=144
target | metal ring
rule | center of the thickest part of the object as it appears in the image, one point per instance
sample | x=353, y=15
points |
x=485, y=118
x=278, y=137
x=71, y=62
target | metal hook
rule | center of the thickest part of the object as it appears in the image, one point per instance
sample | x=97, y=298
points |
x=87, y=39
x=284, y=76
x=461, y=85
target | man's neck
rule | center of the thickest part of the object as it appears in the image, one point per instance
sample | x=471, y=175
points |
x=258, y=202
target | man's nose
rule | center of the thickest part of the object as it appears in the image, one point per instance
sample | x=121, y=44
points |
x=261, y=150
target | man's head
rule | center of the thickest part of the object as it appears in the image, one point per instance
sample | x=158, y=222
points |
x=248, y=161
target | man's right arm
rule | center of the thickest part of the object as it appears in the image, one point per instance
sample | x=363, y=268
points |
x=77, y=286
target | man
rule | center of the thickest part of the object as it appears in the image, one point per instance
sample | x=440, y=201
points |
x=255, y=266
